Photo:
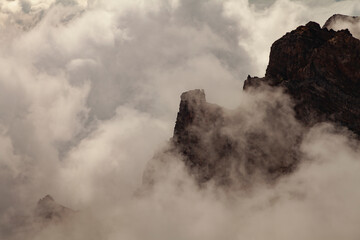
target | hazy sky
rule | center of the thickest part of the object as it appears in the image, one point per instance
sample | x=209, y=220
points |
x=89, y=91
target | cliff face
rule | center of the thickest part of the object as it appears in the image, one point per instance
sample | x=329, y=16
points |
x=320, y=70
x=196, y=135
x=230, y=147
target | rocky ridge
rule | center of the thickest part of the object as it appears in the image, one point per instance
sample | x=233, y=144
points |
x=317, y=68
x=320, y=70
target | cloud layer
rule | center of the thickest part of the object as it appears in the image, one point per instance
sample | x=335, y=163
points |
x=89, y=91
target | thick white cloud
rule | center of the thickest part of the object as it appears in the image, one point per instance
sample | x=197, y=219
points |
x=89, y=91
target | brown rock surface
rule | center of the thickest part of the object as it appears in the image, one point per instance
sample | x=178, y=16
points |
x=317, y=68
x=320, y=70
x=228, y=147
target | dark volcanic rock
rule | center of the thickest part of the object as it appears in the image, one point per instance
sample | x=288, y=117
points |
x=230, y=148
x=197, y=118
x=320, y=70
x=317, y=68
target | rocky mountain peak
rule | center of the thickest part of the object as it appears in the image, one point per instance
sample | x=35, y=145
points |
x=312, y=25
x=191, y=102
x=196, y=96
x=320, y=70
x=291, y=53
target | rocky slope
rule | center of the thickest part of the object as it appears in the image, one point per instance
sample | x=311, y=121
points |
x=317, y=68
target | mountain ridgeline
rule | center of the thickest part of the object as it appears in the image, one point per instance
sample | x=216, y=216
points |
x=313, y=76
x=320, y=70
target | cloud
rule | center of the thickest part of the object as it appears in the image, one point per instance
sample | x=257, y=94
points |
x=340, y=22
x=89, y=92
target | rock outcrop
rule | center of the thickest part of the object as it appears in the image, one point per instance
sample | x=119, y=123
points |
x=195, y=134
x=230, y=148
x=320, y=70
x=195, y=118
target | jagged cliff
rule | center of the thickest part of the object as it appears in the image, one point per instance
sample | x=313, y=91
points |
x=319, y=71
x=229, y=146
x=195, y=134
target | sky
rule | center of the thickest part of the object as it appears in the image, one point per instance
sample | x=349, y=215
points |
x=89, y=92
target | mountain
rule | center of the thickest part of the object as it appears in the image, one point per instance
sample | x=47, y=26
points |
x=320, y=70
x=230, y=147
x=313, y=76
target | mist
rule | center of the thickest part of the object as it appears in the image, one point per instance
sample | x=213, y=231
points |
x=89, y=91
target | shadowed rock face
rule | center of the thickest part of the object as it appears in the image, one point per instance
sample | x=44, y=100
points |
x=320, y=70
x=197, y=118
x=229, y=148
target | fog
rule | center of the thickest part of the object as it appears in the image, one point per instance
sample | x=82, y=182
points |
x=89, y=91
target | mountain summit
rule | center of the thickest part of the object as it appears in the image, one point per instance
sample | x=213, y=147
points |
x=313, y=76
x=320, y=70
